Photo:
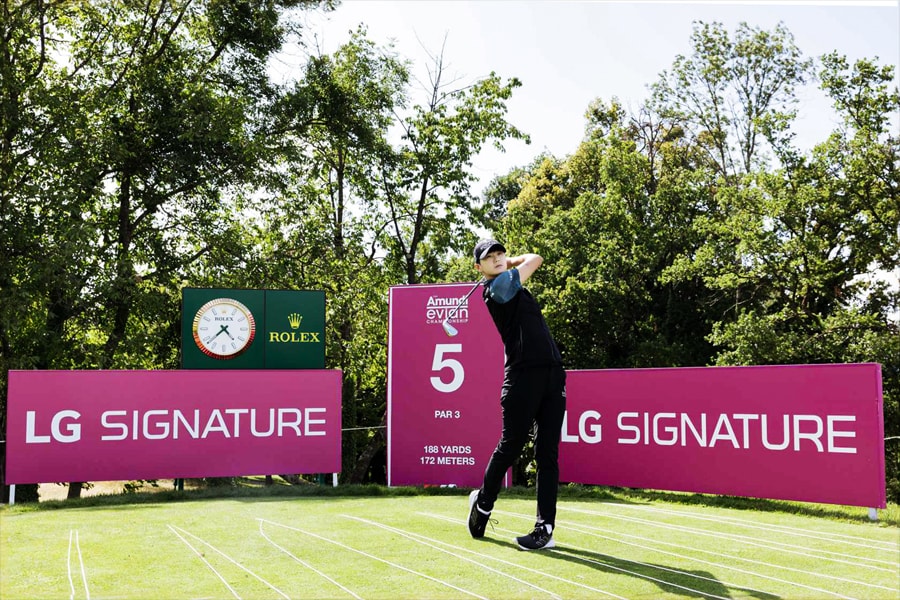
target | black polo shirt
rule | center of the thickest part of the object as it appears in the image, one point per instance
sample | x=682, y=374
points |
x=527, y=341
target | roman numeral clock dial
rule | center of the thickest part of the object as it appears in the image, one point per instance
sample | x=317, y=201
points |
x=223, y=328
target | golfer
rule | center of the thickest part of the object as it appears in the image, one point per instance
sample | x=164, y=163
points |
x=533, y=396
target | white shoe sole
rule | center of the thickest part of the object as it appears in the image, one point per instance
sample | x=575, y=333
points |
x=473, y=498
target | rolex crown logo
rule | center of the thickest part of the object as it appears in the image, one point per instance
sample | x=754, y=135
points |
x=294, y=319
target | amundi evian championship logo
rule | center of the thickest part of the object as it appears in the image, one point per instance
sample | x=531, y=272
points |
x=437, y=308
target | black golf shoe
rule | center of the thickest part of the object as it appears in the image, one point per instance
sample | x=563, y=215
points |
x=478, y=518
x=541, y=538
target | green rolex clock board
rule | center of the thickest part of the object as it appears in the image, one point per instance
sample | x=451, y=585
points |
x=252, y=329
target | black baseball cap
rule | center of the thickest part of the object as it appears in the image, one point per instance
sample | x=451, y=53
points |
x=485, y=247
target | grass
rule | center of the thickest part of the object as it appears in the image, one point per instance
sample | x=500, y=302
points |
x=376, y=542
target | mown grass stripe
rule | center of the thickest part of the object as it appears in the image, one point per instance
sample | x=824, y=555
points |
x=760, y=563
x=432, y=543
x=752, y=541
x=774, y=527
x=603, y=563
x=206, y=562
x=373, y=557
x=235, y=563
x=304, y=563
x=634, y=562
x=519, y=566
x=714, y=564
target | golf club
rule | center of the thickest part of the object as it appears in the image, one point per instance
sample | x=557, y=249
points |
x=449, y=329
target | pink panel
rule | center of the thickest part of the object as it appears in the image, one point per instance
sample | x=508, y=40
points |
x=443, y=392
x=800, y=432
x=125, y=425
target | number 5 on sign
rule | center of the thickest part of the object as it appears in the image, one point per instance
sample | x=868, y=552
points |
x=439, y=363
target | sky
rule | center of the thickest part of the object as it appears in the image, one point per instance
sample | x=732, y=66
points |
x=568, y=53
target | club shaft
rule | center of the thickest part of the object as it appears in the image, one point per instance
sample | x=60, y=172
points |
x=463, y=301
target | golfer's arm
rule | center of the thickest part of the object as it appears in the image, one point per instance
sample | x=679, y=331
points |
x=526, y=264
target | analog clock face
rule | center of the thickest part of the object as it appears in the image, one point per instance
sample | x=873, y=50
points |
x=223, y=328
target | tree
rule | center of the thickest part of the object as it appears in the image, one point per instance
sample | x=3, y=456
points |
x=732, y=94
x=820, y=243
x=673, y=240
x=426, y=190
x=24, y=61
x=813, y=238
x=322, y=225
x=374, y=210
x=127, y=126
x=613, y=216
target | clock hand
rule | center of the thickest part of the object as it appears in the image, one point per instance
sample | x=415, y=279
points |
x=225, y=329
x=221, y=329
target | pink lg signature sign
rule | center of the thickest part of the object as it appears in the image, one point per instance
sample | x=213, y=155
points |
x=124, y=425
x=796, y=432
x=443, y=392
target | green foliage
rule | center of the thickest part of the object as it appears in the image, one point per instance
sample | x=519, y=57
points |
x=427, y=191
x=670, y=241
x=354, y=210
x=733, y=92
x=610, y=218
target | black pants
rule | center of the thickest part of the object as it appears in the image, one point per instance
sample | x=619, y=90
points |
x=530, y=398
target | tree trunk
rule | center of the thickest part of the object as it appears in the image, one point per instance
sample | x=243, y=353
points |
x=376, y=442
x=74, y=490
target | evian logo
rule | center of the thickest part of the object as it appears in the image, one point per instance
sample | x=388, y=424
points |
x=438, y=308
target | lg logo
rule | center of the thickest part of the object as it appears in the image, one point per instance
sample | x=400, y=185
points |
x=64, y=428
